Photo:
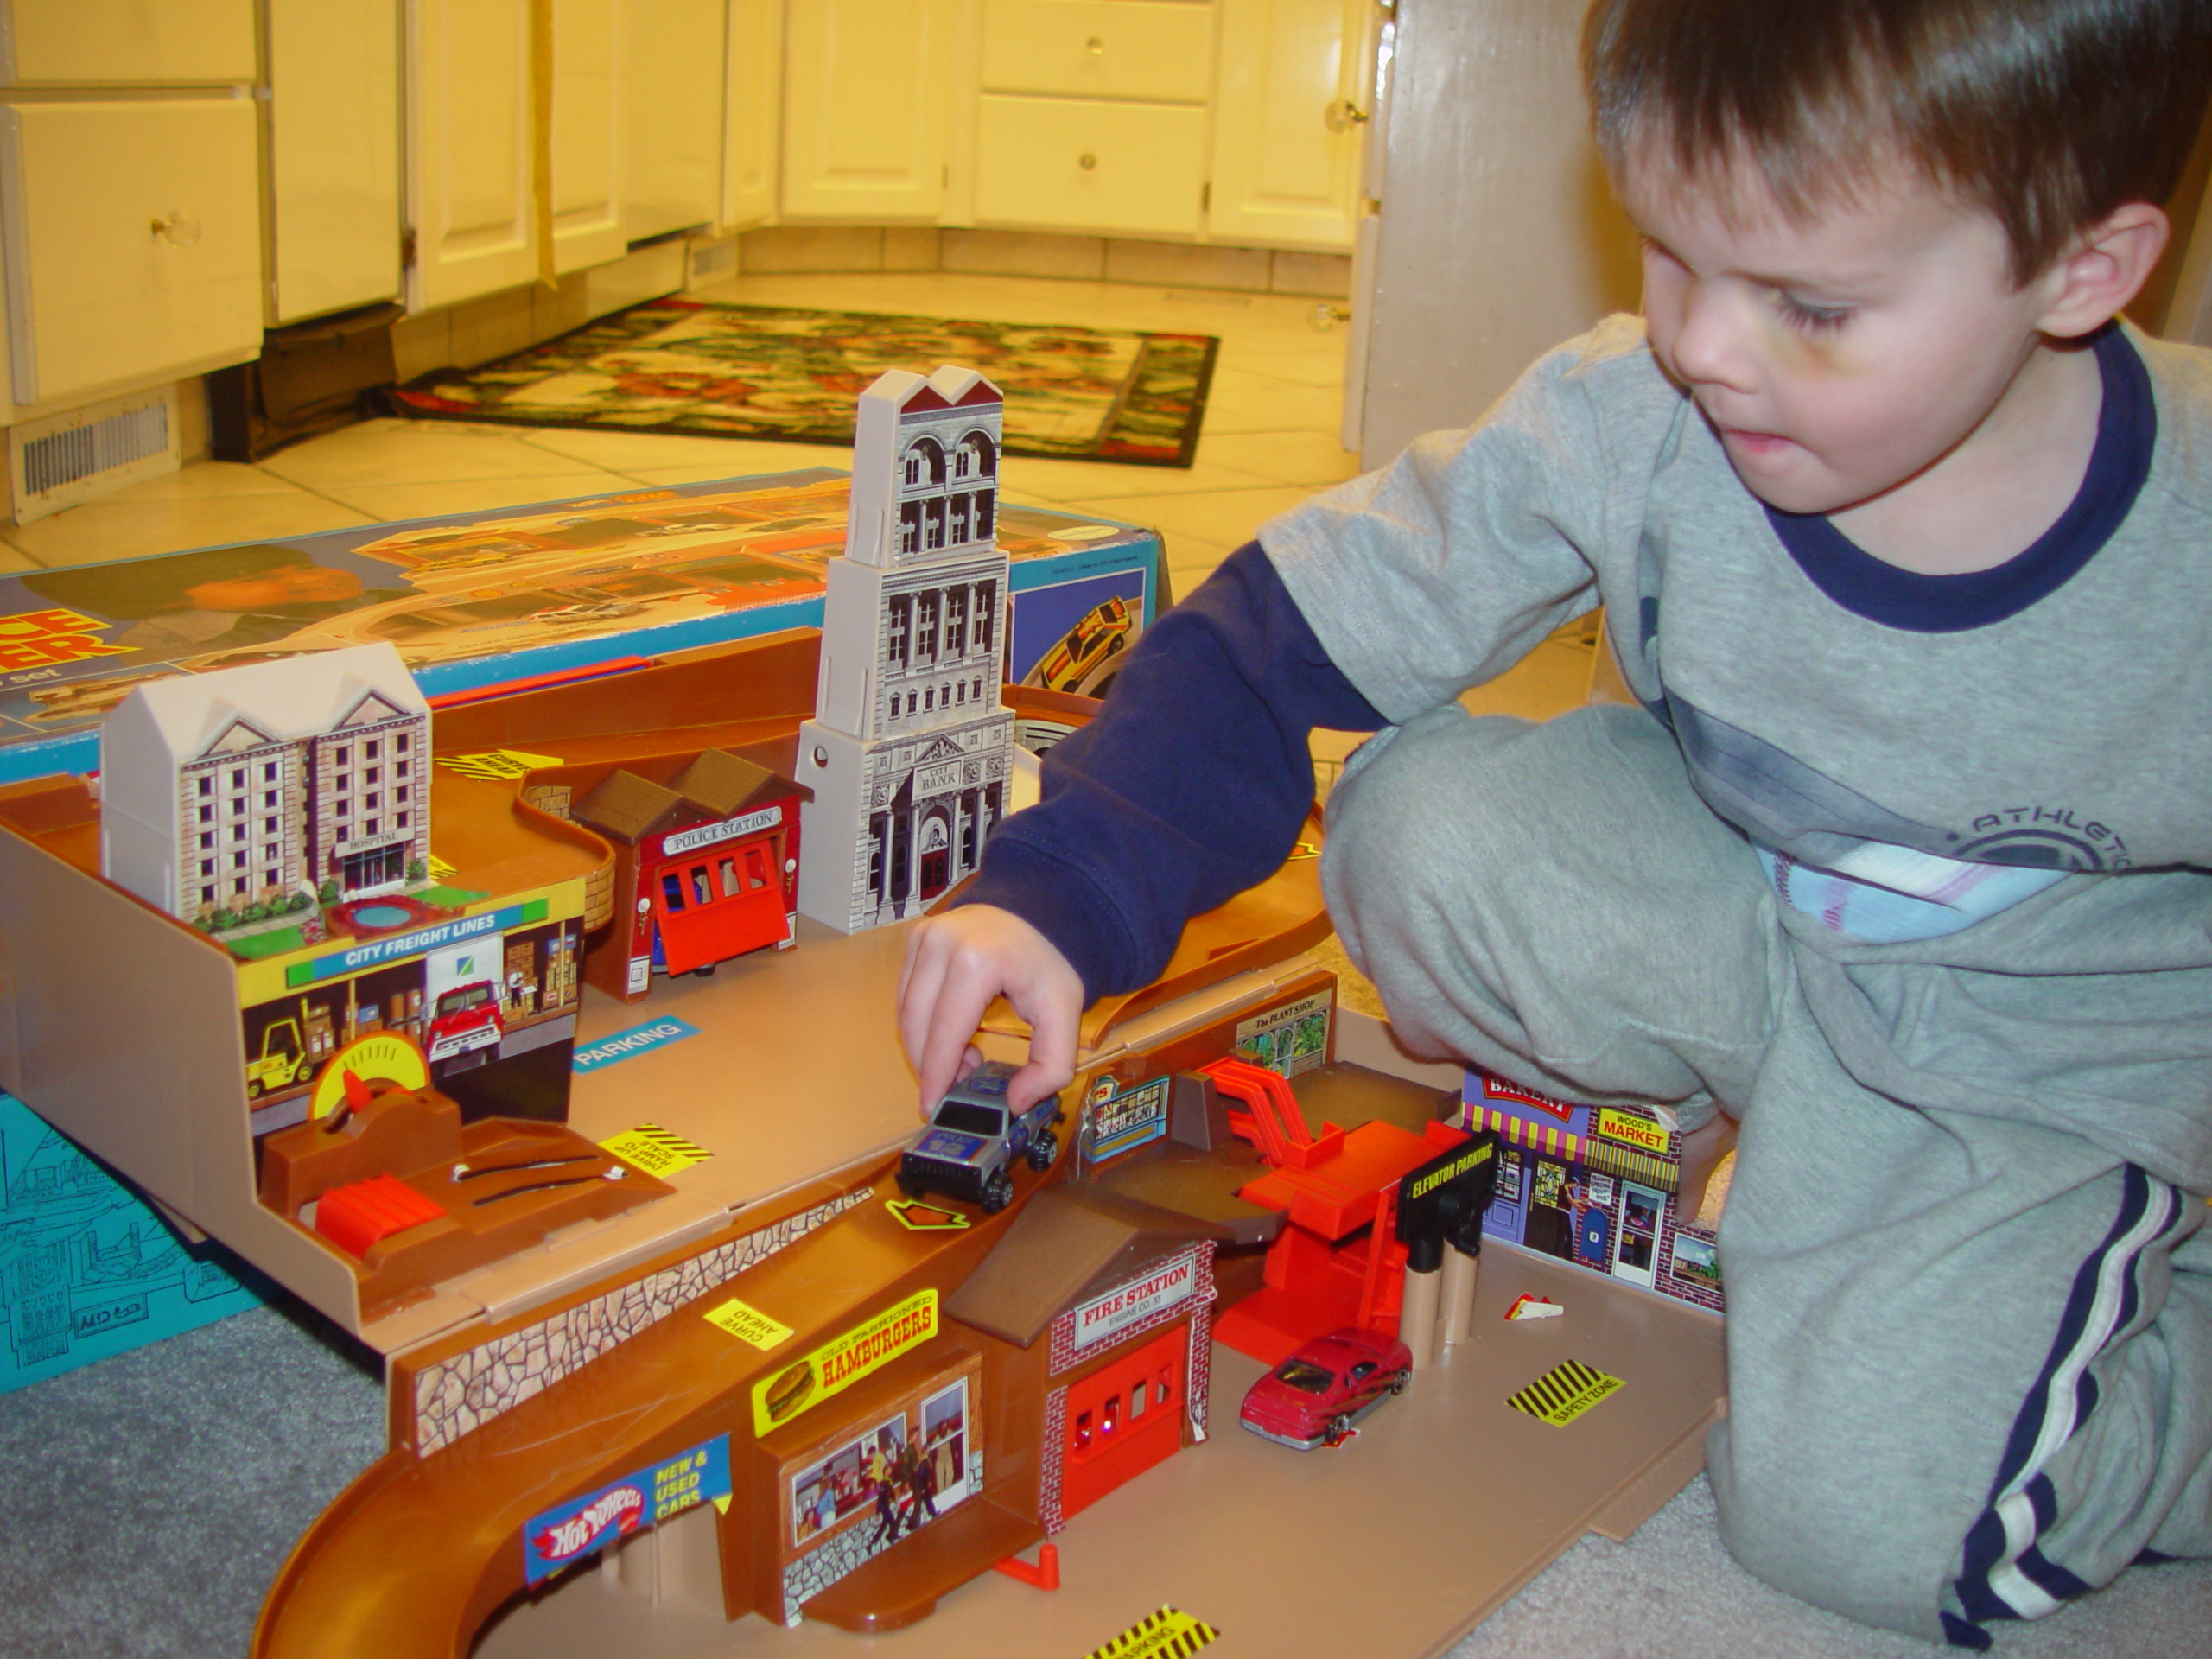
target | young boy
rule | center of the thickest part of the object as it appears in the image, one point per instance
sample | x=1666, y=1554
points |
x=1905, y=546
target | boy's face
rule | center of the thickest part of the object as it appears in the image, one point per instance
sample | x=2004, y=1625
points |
x=1839, y=357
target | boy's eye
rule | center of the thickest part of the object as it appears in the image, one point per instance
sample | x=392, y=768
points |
x=1803, y=313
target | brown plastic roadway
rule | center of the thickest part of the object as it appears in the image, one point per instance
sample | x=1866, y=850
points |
x=416, y=1556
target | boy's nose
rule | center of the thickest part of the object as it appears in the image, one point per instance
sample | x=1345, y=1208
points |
x=1709, y=345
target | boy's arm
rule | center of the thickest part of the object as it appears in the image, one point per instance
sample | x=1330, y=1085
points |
x=1190, y=786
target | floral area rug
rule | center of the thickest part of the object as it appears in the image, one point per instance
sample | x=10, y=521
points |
x=762, y=371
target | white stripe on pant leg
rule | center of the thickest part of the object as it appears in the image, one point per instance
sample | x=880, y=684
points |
x=2013, y=1506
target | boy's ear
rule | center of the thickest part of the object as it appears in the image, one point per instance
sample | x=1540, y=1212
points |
x=2102, y=268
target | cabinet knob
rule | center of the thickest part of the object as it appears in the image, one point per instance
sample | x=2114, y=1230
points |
x=1096, y=47
x=1087, y=162
x=1342, y=115
x=179, y=229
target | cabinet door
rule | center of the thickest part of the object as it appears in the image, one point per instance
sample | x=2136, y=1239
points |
x=469, y=165
x=334, y=154
x=866, y=106
x=132, y=241
x=672, y=92
x=588, y=149
x=1089, y=164
x=752, y=111
x=120, y=43
x=1284, y=169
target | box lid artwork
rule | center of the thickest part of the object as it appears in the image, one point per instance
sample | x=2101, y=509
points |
x=473, y=600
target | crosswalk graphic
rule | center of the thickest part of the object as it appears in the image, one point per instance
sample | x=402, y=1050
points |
x=1167, y=1634
x=1564, y=1393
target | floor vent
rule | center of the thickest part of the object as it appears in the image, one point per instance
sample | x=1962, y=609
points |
x=66, y=459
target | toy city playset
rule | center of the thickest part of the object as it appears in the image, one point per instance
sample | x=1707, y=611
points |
x=651, y=1295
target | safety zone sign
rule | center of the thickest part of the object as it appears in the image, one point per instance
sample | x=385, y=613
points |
x=1167, y=1634
x=1564, y=1393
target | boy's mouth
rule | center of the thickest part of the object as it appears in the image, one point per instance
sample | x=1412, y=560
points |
x=1755, y=443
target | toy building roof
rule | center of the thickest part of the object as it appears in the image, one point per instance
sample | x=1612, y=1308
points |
x=626, y=807
x=949, y=387
x=716, y=784
x=1070, y=1239
x=192, y=714
x=725, y=784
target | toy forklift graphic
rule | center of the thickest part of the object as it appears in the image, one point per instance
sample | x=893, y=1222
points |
x=292, y=1051
x=972, y=1140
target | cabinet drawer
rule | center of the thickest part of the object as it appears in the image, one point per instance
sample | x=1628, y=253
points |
x=80, y=43
x=1099, y=49
x=96, y=293
x=1091, y=166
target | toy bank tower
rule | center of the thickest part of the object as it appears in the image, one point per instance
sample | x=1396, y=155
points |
x=908, y=752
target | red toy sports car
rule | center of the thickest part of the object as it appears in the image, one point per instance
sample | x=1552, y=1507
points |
x=1316, y=1395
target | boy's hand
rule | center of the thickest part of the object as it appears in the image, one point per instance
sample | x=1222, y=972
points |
x=956, y=964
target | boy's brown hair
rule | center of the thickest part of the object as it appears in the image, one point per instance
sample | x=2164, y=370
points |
x=2049, y=114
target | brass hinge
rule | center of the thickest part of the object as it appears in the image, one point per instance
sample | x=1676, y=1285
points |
x=1205, y=195
x=407, y=250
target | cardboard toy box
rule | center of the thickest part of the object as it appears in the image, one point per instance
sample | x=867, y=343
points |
x=1600, y=1186
x=524, y=594
x=87, y=1268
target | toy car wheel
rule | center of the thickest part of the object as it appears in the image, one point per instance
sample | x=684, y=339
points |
x=909, y=1189
x=1398, y=1383
x=1339, y=1429
x=706, y=972
x=998, y=1193
x=1042, y=1150
x=253, y=1089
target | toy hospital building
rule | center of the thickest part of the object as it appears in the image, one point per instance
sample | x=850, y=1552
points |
x=908, y=753
x=247, y=786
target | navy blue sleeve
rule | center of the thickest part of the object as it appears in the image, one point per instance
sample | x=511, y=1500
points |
x=1190, y=786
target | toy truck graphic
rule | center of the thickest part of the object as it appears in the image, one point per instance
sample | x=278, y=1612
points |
x=973, y=1139
x=467, y=1017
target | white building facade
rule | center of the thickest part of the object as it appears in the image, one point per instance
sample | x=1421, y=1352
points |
x=908, y=752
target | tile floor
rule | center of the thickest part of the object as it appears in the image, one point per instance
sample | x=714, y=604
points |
x=1269, y=440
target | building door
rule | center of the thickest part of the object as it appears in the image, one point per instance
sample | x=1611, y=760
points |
x=937, y=855
x=719, y=903
x=1122, y=1419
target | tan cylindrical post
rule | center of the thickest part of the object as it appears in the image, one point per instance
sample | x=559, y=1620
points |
x=1417, y=1316
x=1459, y=1272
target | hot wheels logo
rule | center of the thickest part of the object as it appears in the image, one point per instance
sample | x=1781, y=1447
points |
x=615, y=1512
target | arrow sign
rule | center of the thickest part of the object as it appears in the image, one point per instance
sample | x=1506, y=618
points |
x=919, y=1217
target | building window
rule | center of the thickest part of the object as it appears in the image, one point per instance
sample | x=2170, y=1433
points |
x=207, y=783
x=269, y=772
x=368, y=801
x=206, y=866
x=341, y=757
x=368, y=775
x=238, y=885
x=237, y=779
x=399, y=794
x=268, y=826
x=400, y=819
x=269, y=800
x=206, y=840
x=341, y=835
x=206, y=894
x=370, y=747
x=237, y=861
x=237, y=831
x=369, y=827
x=206, y=813
x=400, y=771
x=399, y=744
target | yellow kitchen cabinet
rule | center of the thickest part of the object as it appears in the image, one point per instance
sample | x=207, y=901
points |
x=868, y=104
x=333, y=156
x=125, y=42
x=1089, y=164
x=1288, y=113
x=132, y=241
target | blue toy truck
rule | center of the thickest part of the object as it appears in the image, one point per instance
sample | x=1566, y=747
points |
x=968, y=1151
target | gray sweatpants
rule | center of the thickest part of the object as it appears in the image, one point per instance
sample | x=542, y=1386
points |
x=1969, y=1305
